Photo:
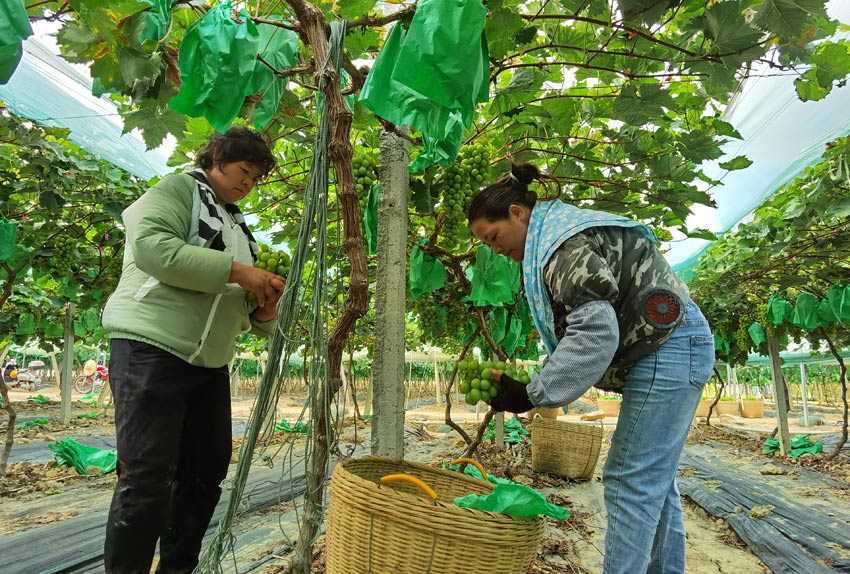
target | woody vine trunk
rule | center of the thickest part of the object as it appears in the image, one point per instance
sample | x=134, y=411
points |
x=314, y=32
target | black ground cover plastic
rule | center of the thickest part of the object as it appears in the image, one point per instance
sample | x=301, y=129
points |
x=806, y=532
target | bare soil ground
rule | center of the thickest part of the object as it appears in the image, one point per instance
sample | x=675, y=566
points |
x=574, y=546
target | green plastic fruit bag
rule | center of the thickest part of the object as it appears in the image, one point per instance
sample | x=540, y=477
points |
x=805, y=313
x=495, y=279
x=216, y=60
x=86, y=459
x=431, y=75
x=498, y=324
x=839, y=302
x=444, y=40
x=157, y=20
x=512, y=337
x=515, y=500
x=719, y=343
x=778, y=309
x=15, y=29
x=427, y=273
x=278, y=47
x=8, y=236
x=757, y=335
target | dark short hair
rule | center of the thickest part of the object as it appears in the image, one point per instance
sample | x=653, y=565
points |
x=494, y=201
x=237, y=144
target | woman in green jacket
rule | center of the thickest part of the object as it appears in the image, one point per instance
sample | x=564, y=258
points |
x=173, y=319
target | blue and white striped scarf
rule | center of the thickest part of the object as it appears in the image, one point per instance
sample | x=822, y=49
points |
x=212, y=215
x=552, y=223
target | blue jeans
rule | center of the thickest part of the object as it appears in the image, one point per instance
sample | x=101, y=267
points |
x=646, y=531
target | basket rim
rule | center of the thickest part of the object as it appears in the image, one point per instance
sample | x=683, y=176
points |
x=444, y=504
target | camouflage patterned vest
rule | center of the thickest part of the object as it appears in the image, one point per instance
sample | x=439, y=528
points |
x=623, y=266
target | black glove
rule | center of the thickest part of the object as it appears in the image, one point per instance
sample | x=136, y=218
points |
x=512, y=397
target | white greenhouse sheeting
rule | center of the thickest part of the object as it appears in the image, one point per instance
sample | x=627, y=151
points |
x=48, y=90
x=782, y=136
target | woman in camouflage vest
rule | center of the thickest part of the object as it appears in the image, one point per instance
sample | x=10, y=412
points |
x=612, y=314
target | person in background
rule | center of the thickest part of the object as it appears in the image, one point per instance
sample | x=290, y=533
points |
x=612, y=314
x=179, y=305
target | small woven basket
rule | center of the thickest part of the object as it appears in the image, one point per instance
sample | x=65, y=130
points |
x=565, y=449
x=545, y=412
x=397, y=529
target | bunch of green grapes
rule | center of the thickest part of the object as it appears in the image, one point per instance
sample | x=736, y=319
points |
x=460, y=182
x=477, y=381
x=114, y=267
x=430, y=317
x=65, y=256
x=742, y=333
x=277, y=262
x=365, y=168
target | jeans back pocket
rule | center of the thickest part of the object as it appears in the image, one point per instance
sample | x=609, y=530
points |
x=702, y=359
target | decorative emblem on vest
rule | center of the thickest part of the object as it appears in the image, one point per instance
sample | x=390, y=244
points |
x=662, y=309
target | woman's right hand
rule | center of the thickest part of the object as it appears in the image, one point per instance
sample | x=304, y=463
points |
x=265, y=285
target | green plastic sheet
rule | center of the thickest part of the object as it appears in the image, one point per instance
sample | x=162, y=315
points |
x=778, y=309
x=86, y=459
x=432, y=75
x=93, y=415
x=839, y=302
x=427, y=273
x=278, y=47
x=298, y=428
x=15, y=29
x=473, y=471
x=370, y=219
x=8, y=236
x=805, y=314
x=757, y=334
x=38, y=399
x=33, y=423
x=515, y=500
x=495, y=279
x=514, y=431
x=217, y=60
x=800, y=445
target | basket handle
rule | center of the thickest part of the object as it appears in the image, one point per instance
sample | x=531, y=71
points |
x=401, y=477
x=473, y=462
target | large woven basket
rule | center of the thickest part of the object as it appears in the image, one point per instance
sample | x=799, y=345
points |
x=397, y=529
x=565, y=449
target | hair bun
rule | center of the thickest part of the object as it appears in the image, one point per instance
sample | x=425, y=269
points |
x=524, y=173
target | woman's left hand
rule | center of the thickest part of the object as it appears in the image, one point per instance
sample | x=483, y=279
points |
x=268, y=311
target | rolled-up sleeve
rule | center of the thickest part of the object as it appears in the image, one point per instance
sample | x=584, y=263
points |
x=583, y=355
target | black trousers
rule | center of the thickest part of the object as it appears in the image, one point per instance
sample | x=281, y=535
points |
x=172, y=423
